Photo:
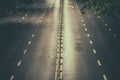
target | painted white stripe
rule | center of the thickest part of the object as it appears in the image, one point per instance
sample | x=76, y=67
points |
x=23, y=17
x=91, y=42
x=19, y=63
x=104, y=77
x=41, y=17
x=86, y=29
x=43, y=14
x=29, y=42
x=94, y=51
x=88, y=35
x=99, y=63
x=12, y=77
x=40, y=20
x=106, y=25
x=114, y=35
x=110, y=29
x=25, y=51
x=33, y=35
x=84, y=25
x=25, y=14
x=82, y=20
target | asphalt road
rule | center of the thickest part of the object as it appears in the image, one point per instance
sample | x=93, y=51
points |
x=54, y=41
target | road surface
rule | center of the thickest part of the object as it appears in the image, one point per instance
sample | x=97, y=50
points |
x=54, y=41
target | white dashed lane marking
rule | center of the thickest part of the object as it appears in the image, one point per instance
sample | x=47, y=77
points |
x=23, y=17
x=94, y=51
x=40, y=20
x=44, y=11
x=29, y=42
x=19, y=63
x=88, y=35
x=26, y=14
x=106, y=25
x=91, y=42
x=12, y=77
x=110, y=29
x=25, y=51
x=84, y=25
x=99, y=63
x=41, y=17
x=86, y=29
x=33, y=35
x=82, y=20
x=114, y=35
x=43, y=14
x=104, y=77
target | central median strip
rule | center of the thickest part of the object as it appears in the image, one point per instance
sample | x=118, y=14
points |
x=59, y=59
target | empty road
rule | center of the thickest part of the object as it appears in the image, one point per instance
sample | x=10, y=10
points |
x=55, y=41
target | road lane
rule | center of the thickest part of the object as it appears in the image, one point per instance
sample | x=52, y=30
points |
x=35, y=58
x=78, y=61
x=106, y=45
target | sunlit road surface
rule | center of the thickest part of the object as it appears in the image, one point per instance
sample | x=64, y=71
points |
x=56, y=42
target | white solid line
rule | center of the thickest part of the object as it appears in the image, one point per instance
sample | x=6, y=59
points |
x=29, y=42
x=86, y=29
x=99, y=63
x=94, y=51
x=33, y=35
x=19, y=63
x=12, y=77
x=88, y=35
x=25, y=51
x=105, y=77
x=91, y=42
